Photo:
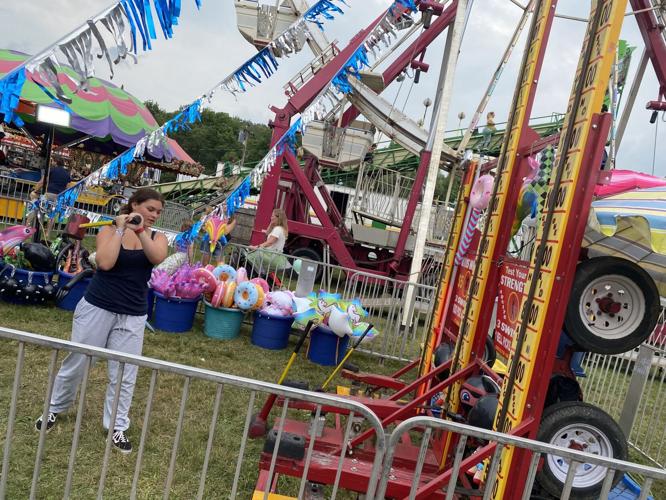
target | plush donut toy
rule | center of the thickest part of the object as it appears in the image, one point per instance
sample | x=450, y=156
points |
x=218, y=296
x=261, y=283
x=481, y=192
x=228, y=300
x=206, y=278
x=246, y=296
x=261, y=299
x=225, y=273
x=241, y=275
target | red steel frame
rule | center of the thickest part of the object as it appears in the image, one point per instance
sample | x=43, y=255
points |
x=301, y=184
x=391, y=410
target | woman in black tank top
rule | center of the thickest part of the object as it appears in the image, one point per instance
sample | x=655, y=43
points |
x=112, y=313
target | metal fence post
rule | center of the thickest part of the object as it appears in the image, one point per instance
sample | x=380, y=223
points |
x=639, y=378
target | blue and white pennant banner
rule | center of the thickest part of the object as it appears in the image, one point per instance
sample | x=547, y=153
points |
x=380, y=38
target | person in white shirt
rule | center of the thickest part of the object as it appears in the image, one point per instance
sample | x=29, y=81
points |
x=277, y=233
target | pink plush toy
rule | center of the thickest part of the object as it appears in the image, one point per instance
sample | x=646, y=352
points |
x=183, y=283
x=278, y=304
x=159, y=281
x=190, y=289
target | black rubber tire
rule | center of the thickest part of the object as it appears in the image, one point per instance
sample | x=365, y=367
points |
x=578, y=329
x=554, y=421
x=489, y=353
x=310, y=254
x=444, y=352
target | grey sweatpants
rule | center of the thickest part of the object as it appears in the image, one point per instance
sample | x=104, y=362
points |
x=100, y=328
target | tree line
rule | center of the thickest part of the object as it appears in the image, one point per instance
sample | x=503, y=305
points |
x=215, y=138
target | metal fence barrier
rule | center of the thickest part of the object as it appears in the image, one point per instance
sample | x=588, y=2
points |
x=630, y=387
x=230, y=476
x=401, y=318
x=427, y=425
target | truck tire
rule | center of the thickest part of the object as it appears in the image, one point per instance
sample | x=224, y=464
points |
x=613, y=307
x=583, y=427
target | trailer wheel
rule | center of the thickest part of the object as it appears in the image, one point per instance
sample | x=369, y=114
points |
x=489, y=353
x=614, y=306
x=445, y=351
x=584, y=427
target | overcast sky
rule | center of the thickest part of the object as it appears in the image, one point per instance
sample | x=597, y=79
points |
x=207, y=47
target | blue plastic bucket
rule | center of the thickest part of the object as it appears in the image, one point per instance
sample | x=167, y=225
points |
x=222, y=323
x=271, y=332
x=326, y=348
x=24, y=276
x=75, y=294
x=174, y=315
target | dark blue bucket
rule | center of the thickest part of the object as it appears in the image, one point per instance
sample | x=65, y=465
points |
x=23, y=276
x=271, y=332
x=326, y=348
x=75, y=294
x=174, y=315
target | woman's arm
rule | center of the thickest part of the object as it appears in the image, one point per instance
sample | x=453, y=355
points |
x=269, y=241
x=156, y=250
x=38, y=186
x=109, y=240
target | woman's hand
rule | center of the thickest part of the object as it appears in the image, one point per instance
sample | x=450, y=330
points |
x=134, y=227
x=253, y=247
x=121, y=221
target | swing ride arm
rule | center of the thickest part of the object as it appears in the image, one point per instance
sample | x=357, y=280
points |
x=331, y=232
x=655, y=44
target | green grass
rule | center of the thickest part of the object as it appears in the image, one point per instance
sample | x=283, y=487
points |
x=237, y=357
x=610, y=397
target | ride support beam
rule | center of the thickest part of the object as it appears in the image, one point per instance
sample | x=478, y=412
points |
x=448, y=272
x=269, y=188
x=426, y=37
x=653, y=38
x=496, y=233
x=334, y=240
x=559, y=236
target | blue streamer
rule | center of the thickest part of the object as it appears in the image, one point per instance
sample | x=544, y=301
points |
x=130, y=18
x=237, y=198
x=149, y=19
x=249, y=72
x=409, y=5
x=183, y=119
x=51, y=96
x=356, y=62
x=10, y=95
x=323, y=8
x=139, y=13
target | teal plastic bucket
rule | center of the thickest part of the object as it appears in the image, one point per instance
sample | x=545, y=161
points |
x=174, y=315
x=222, y=323
x=271, y=332
x=72, y=298
x=326, y=348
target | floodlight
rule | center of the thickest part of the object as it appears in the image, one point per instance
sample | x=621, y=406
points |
x=53, y=116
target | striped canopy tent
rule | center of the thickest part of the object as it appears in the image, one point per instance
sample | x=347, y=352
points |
x=632, y=225
x=114, y=118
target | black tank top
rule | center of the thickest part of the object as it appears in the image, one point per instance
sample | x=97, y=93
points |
x=123, y=289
